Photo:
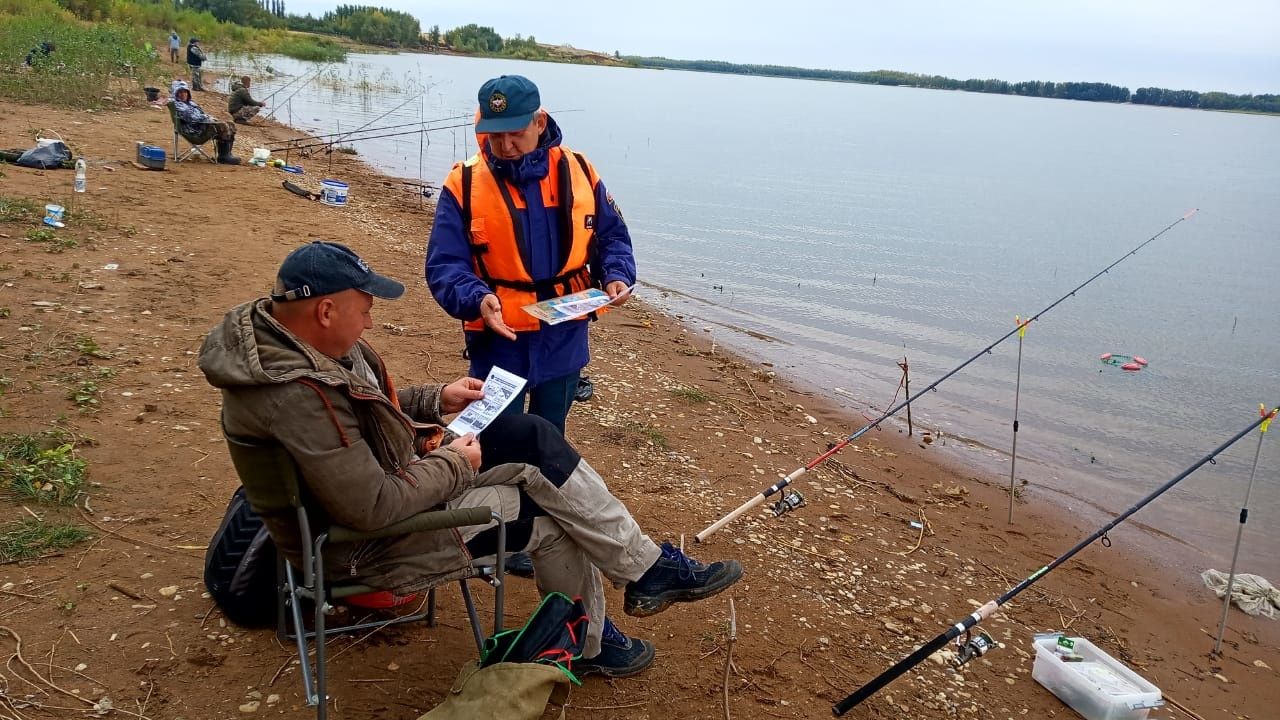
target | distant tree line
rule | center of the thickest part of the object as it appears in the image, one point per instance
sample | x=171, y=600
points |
x=376, y=26
x=243, y=12
x=372, y=25
x=484, y=40
x=1206, y=101
x=1093, y=92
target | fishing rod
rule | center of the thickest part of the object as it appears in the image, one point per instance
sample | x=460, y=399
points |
x=415, y=123
x=291, y=82
x=971, y=647
x=376, y=137
x=343, y=136
x=778, y=486
x=299, y=89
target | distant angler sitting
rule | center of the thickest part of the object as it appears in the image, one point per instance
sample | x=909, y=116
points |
x=241, y=104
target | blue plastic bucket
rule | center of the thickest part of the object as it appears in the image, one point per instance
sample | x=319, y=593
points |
x=333, y=192
x=53, y=215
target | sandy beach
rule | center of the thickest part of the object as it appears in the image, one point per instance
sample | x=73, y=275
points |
x=835, y=591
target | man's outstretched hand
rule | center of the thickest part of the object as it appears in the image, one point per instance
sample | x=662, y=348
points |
x=491, y=311
x=459, y=394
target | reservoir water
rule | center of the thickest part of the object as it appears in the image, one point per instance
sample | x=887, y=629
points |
x=832, y=228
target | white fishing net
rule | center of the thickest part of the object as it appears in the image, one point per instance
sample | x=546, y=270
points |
x=1251, y=593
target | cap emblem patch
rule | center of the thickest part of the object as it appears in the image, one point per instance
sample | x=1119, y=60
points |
x=497, y=102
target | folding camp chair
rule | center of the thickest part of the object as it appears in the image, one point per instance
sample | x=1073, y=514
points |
x=194, y=149
x=272, y=483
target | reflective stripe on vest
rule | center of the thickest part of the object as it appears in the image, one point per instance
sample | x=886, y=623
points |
x=499, y=249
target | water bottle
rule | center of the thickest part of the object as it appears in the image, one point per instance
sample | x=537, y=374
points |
x=81, y=180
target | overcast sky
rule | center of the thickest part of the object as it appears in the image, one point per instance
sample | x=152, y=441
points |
x=1230, y=45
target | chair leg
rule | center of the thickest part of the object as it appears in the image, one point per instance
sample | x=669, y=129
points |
x=321, y=698
x=431, y=607
x=300, y=636
x=471, y=615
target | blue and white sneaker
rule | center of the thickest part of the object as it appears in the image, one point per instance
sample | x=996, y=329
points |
x=676, y=577
x=620, y=656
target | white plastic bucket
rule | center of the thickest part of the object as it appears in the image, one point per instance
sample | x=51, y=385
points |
x=333, y=192
x=53, y=215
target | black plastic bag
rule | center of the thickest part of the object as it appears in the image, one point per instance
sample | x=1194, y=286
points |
x=53, y=155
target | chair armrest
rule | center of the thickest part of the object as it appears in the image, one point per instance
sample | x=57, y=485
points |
x=431, y=520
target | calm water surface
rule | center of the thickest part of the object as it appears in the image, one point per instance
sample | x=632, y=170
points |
x=849, y=225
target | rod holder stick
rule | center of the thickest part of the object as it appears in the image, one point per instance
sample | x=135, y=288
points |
x=1017, y=395
x=1235, y=554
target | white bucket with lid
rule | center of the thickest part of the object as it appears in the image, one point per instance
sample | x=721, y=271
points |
x=333, y=193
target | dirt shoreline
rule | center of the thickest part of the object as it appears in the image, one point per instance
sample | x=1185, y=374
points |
x=836, y=591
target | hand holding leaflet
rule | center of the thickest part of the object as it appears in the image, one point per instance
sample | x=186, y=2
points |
x=500, y=388
x=571, y=307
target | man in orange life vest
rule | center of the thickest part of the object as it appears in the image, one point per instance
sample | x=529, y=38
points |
x=525, y=220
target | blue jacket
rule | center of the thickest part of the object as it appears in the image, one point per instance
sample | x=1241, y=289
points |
x=555, y=350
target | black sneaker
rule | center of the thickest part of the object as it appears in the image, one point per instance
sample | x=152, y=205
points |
x=584, y=391
x=518, y=564
x=620, y=656
x=676, y=577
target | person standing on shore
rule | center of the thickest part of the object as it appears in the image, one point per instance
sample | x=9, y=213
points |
x=241, y=104
x=524, y=220
x=174, y=43
x=195, y=59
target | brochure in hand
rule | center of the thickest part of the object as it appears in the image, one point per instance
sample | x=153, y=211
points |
x=571, y=307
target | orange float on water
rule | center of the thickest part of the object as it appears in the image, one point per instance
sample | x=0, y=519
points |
x=1131, y=363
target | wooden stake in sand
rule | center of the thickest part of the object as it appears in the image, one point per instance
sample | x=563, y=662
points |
x=728, y=654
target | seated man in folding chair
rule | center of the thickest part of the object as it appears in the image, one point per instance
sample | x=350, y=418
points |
x=293, y=370
x=199, y=127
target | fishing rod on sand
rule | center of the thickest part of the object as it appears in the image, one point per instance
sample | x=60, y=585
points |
x=970, y=646
x=783, y=483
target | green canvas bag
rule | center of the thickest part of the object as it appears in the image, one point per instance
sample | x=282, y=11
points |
x=520, y=670
x=505, y=691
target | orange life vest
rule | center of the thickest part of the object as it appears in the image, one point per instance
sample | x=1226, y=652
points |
x=489, y=208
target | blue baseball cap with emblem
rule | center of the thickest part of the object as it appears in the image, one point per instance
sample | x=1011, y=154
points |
x=323, y=268
x=507, y=104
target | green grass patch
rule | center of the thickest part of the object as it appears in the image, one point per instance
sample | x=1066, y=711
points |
x=691, y=394
x=42, y=467
x=87, y=63
x=86, y=345
x=17, y=209
x=41, y=234
x=303, y=47
x=28, y=538
x=86, y=390
x=649, y=433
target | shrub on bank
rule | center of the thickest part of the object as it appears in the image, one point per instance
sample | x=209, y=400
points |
x=302, y=47
x=85, y=65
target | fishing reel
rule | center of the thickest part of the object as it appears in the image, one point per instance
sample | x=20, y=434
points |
x=972, y=646
x=789, y=501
